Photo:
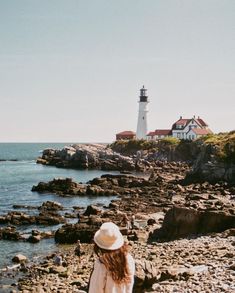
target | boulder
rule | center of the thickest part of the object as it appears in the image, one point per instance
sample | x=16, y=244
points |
x=92, y=210
x=151, y=222
x=19, y=258
x=17, y=218
x=124, y=180
x=49, y=218
x=9, y=233
x=61, y=186
x=51, y=206
x=34, y=238
x=71, y=233
x=178, y=272
x=94, y=190
x=182, y=222
x=145, y=276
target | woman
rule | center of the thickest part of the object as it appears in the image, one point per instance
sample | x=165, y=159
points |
x=114, y=269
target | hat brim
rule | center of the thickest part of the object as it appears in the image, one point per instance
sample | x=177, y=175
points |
x=115, y=245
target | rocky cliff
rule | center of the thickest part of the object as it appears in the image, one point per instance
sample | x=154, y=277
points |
x=215, y=160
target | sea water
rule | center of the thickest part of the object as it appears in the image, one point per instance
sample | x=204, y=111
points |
x=18, y=173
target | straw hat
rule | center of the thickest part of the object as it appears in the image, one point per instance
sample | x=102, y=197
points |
x=109, y=236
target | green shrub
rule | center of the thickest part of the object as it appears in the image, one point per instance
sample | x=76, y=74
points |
x=132, y=146
x=171, y=140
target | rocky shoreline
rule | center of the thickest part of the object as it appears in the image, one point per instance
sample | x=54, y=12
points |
x=183, y=239
x=203, y=264
x=212, y=159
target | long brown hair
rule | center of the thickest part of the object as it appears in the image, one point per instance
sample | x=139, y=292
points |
x=115, y=262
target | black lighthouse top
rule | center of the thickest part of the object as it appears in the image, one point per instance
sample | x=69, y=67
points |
x=143, y=96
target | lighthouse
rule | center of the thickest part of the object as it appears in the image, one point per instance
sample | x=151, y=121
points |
x=142, y=116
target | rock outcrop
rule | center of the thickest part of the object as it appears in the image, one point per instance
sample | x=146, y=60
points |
x=67, y=187
x=48, y=215
x=61, y=186
x=9, y=233
x=70, y=233
x=87, y=156
x=180, y=222
x=215, y=161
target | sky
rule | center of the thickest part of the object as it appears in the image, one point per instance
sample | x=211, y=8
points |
x=71, y=70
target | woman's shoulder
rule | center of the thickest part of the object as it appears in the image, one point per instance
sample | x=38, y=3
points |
x=130, y=261
x=130, y=257
x=98, y=263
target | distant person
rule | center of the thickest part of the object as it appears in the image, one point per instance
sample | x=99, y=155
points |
x=58, y=260
x=125, y=221
x=78, y=249
x=78, y=217
x=114, y=269
x=133, y=222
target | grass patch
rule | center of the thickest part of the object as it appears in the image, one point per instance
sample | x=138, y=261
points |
x=171, y=140
x=132, y=146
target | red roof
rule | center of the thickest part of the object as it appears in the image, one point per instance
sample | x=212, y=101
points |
x=163, y=132
x=201, y=122
x=182, y=121
x=151, y=133
x=200, y=131
x=127, y=132
x=160, y=132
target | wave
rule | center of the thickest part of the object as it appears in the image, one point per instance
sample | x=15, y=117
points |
x=18, y=160
x=9, y=160
x=8, y=268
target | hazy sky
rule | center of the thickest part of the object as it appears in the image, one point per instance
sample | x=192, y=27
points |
x=71, y=70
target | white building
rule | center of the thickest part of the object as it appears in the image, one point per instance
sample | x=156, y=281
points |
x=142, y=124
x=189, y=128
x=195, y=133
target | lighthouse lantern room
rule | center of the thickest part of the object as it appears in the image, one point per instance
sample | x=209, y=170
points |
x=142, y=116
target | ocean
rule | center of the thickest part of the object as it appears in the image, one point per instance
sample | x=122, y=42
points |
x=18, y=173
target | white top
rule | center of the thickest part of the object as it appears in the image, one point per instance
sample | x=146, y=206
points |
x=102, y=282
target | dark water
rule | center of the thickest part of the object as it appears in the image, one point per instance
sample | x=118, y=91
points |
x=16, y=180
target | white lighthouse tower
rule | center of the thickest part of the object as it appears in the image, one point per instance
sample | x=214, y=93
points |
x=142, y=117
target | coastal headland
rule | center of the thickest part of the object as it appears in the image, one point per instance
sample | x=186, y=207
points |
x=182, y=195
